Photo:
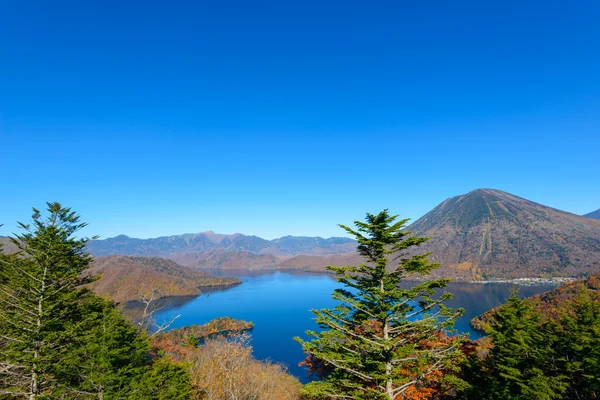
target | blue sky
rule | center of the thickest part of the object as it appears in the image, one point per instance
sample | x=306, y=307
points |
x=274, y=118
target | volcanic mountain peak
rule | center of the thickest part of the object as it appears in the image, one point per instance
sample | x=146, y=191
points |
x=477, y=206
x=492, y=233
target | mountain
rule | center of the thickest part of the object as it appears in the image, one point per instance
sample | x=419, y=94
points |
x=162, y=246
x=223, y=259
x=206, y=242
x=125, y=278
x=489, y=233
x=593, y=214
x=6, y=245
x=319, y=262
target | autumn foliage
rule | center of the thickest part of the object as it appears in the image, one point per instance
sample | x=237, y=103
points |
x=219, y=360
x=225, y=369
x=435, y=383
x=197, y=334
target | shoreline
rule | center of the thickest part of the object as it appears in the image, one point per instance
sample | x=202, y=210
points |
x=528, y=281
x=525, y=281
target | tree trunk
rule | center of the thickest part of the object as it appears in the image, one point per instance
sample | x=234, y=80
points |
x=34, y=388
x=389, y=388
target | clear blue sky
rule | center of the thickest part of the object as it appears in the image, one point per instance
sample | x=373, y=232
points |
x=282, y=117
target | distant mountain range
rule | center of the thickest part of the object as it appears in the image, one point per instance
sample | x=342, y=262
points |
x=593, y=214
x=484, y=234
x=488, y=233
x=210, y=242
x=127, y=278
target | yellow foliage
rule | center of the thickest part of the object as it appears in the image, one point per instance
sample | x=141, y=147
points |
x=464, y=266
x=225, y=370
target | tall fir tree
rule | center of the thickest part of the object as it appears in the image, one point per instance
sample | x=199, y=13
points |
x=578, y=348
x=37, y=296
x=59, y=341
x=521, y=363
x=382, y=341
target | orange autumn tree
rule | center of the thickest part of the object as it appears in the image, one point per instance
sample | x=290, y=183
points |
x=383, y=341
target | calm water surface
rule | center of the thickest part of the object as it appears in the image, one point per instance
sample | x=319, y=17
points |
x=279, y=302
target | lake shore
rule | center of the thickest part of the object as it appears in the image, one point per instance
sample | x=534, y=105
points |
x=527, y=281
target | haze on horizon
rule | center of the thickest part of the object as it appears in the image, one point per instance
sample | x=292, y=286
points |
x=287, y=118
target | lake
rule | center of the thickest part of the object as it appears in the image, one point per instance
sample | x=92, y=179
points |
x=279, y=302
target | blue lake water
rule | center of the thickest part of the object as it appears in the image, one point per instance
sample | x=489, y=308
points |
x=279, y=302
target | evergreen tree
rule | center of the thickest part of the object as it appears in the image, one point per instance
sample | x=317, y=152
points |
x=381, y=341
x=521, y=361
x=109, y=359
x=106, y=352
x=37, y=295
x=58, y=341
x=163, y=381
x=578, y=349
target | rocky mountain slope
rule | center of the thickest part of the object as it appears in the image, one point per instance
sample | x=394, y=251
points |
x=6, y=245
x=492, y=234
x=593, y=214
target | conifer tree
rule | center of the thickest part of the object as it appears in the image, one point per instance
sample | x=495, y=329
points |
x=106, y=353
x=37, y=294
x=578, y=349
x=520, y=363
x=381, y=341
x=59, y=341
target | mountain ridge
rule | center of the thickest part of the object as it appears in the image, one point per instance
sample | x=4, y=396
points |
x=166, y=246
x=593, y=214
x=480, y=235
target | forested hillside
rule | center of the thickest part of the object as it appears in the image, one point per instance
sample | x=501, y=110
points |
x=123, y=278
x=554, y=303
x=547, y=346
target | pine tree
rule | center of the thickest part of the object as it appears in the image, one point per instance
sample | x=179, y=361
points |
x=109, y=359
x=163, y=381
x=37, y=294
x=105, y=355
x=59, y=341
x=383, y=341
x=578, y=348
x=520, y=363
